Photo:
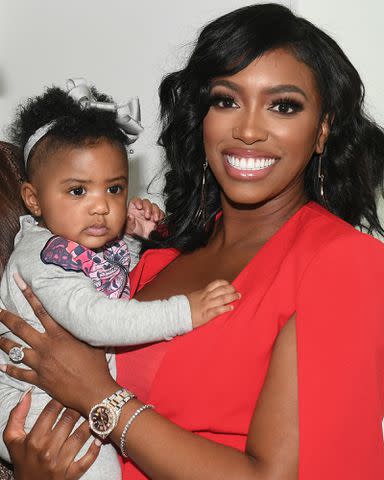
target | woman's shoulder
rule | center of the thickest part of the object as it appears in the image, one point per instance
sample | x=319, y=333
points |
x=324, y=231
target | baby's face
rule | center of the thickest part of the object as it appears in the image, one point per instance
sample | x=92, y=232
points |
x=82, y=193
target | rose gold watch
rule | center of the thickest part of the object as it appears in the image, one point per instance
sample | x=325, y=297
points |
x=104, y=416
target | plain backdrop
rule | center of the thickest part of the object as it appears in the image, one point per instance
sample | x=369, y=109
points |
x=124, y=48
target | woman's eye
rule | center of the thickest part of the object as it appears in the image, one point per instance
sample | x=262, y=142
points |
x=286, y=106
x=77, y=192
x=223, y=101
x=115, y=189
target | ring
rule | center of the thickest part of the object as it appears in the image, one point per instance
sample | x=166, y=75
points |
x=16, y=354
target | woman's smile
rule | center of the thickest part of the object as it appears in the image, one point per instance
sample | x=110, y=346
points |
x=246, y=164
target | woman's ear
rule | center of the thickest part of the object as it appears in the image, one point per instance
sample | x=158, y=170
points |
x=30, y=198
x=322, y=136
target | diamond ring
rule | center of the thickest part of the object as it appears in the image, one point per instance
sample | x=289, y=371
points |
x=16, y=354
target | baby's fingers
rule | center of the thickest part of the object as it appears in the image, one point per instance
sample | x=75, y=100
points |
x=220, y=291
x=216, y=284
x=223, y=299
x=216, y=311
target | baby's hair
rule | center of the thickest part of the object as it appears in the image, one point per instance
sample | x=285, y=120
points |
x=74, y=125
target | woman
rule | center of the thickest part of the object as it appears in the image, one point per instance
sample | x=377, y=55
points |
x=267, y=141
x=11, y=207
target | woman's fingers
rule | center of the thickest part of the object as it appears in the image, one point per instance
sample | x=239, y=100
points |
x=20, y=328
x=22, y=374
x=46, y=420
x=61, y=433
x=14, y=433
x=77, y=469
x=76, y=441
x=49, y=449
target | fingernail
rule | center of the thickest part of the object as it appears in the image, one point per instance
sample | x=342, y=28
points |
x=98, y=442
x=19, y=281
x=24, y=394
x=3, y=367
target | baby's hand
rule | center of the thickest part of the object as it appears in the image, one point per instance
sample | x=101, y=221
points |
x=142, y=217
x=212, y=301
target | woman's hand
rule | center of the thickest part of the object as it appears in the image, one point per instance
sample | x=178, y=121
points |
x=59, y=363
x=49, y=450
x=143, y=217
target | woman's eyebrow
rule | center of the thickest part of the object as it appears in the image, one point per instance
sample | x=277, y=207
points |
x=225, y=83
x=286, y=88
x=283, y=88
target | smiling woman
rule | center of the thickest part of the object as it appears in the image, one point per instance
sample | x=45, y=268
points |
x=271, y=164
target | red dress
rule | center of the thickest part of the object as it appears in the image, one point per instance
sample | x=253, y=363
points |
x=208, y=381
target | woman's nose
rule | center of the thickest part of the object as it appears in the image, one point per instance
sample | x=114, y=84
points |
x=250, y=129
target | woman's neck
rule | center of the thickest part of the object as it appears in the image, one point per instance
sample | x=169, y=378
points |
x=254, y=225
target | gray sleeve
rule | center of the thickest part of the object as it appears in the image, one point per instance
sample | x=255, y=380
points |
x=71, y=298
x=134, y=247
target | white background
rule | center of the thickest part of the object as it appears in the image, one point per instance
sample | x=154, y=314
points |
x=124, y=48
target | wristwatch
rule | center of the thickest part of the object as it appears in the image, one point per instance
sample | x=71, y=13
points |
x=104, y=416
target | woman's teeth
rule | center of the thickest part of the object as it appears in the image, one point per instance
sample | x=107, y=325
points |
x=249, y=163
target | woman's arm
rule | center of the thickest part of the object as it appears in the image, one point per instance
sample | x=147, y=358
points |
x=160, y=448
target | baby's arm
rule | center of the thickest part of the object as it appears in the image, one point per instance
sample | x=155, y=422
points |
x=101, y=321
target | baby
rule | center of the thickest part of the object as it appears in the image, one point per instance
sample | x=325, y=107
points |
x=72, y=250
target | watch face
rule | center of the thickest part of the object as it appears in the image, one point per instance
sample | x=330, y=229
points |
x=102, y=419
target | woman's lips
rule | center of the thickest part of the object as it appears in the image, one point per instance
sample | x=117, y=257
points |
x=246, y=166
x=96, y=230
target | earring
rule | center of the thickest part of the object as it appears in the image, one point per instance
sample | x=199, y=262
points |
x=320, y=176
x=201, y=213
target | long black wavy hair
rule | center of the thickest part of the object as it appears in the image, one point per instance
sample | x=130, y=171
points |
x=353, y=162
x=75, y=126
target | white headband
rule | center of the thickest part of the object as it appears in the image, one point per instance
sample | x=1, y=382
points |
x=128, y=115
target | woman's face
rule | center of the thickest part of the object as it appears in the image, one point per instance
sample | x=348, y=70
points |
x=262, y=128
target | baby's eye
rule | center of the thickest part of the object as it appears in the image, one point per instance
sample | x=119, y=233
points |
x=223, y=101
x=78, y=191
x=115, y=189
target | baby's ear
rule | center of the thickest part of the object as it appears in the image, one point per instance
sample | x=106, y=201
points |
x=30, y=198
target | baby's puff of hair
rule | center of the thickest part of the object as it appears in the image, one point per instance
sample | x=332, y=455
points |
x=74, y=125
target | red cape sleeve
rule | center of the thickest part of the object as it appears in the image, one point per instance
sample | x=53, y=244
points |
x=340, y=342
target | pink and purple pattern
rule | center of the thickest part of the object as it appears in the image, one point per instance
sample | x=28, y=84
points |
x=108, y=269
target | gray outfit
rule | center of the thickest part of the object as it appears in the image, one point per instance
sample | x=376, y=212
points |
x=71, y=298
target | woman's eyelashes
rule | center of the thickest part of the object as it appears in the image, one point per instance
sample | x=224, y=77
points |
x=286, y=106
x=222, y=101
x=282, y=105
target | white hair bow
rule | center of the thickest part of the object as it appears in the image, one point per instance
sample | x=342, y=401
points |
x=128, y=114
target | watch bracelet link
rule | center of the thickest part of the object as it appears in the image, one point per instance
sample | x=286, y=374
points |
x=119, y=398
